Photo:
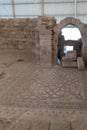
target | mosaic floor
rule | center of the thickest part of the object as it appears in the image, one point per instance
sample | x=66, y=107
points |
x=26, y=84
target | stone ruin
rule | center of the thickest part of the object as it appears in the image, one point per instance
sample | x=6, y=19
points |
x=70, y=59
x=40, y=38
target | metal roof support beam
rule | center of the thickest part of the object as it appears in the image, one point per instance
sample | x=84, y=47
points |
x=75, y=8
x=58, y=2
x=42, y=7
x=13, y=8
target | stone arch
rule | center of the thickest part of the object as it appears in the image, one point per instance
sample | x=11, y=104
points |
x=61, y=25
x=72, y=21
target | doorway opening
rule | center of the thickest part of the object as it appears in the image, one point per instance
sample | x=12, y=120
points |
x=68, y=49
x=71, y=32
x=69, y=41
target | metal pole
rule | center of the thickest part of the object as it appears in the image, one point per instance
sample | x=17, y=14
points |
x=42, y=7
x=13, y=9
x=75, y=8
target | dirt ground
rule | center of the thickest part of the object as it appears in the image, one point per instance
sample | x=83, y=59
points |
x=31, y=92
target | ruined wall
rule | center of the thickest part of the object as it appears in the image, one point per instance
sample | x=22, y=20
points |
x=83, y=29
x=32, y=37
x=18, y=35
x=37, y=37
x=45, y=27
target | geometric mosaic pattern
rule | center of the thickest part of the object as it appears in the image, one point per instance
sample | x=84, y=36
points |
x=30, y=85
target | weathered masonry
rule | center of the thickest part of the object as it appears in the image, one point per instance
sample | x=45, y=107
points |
x=37, y=38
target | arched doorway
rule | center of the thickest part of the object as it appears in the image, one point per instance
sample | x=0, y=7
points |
x=57, y=35
x=69, y=43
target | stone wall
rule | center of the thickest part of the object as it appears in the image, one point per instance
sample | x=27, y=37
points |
x=32, y=37
x=19, y=35
x=82, y=27
x=37, y=37
x=45, y=27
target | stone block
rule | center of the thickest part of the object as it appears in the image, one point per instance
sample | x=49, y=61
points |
x=45, y=43
x=78, y=22
x=60, y=125
x=70, y=55
x=40, y=125
x=80, y=124
x=20, y=47
x=22, y=124
x=80, y=63
x=69, y=64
